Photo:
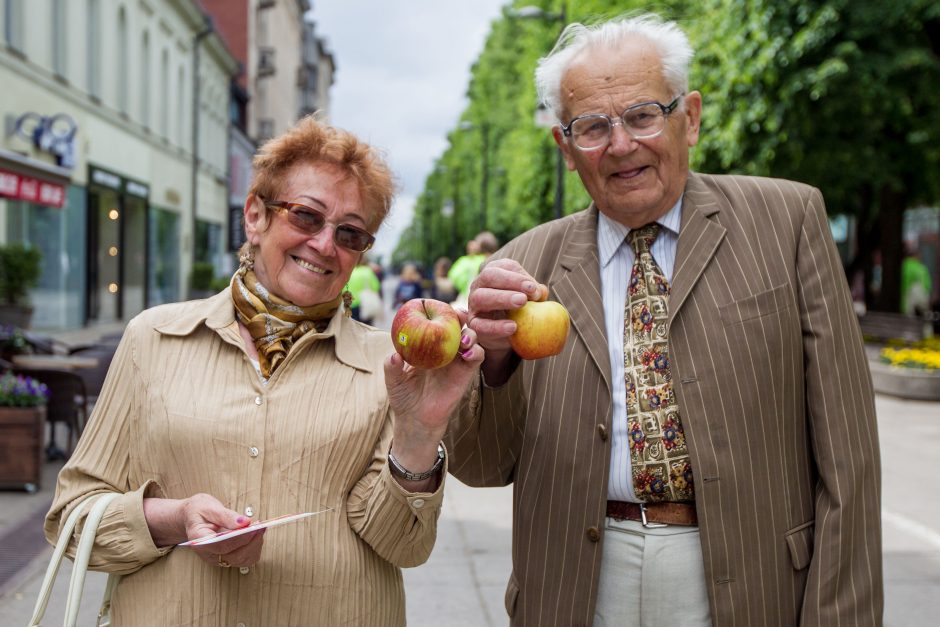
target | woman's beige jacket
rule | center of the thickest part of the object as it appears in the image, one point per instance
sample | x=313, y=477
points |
x=184, y=411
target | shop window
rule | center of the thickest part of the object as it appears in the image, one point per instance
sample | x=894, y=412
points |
x=59, y=38
x=13, y=24
x=59, y=234
x=164, y=251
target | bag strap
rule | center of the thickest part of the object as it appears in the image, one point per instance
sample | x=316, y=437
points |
x=65, y=536
x=83, y=555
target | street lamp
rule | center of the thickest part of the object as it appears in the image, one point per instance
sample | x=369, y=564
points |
x=537, y=13
x=484, y=128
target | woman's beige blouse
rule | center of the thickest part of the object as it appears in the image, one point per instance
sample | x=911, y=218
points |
x=184, y=411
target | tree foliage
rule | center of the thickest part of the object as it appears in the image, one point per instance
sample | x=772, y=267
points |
x=834, y=93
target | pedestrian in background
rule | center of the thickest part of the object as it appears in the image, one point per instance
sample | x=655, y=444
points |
x=467, y=267
x=916, y=285
x=442, y=288
x=409, y=285
x=365, y=289
x=266, y=400
x=704, y=450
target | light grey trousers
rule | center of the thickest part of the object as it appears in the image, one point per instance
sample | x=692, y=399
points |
x=651, y=577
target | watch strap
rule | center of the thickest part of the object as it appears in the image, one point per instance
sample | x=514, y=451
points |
x=400, y=471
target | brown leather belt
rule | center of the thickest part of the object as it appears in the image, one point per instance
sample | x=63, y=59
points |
x=654, y=514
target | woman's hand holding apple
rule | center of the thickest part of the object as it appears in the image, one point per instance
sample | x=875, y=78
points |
x=423, y=399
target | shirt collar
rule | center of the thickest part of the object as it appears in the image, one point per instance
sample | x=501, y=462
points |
x=218, y=312
x=611, y=234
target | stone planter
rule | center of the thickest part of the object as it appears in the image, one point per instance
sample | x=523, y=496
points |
x=921, y=385
x=21, y=439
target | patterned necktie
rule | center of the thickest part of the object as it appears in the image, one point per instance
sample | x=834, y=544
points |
x=658, y=452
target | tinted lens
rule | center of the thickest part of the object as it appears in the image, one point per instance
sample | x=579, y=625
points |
x=352, y=238
x=306, y=219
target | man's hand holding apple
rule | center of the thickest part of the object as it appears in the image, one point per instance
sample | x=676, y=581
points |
x=501, y=286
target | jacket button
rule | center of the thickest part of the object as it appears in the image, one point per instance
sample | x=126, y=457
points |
x=593, y=534
x=602, y=432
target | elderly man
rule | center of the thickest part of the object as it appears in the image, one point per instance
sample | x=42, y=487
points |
x=704, y=450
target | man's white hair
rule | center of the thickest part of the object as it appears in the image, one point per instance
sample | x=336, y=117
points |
x=667, y=38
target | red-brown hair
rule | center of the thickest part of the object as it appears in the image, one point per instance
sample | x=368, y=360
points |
x=311, y=141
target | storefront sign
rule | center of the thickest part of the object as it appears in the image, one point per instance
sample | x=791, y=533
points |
x=50, y=133
x=118, y=183
x=32, y=190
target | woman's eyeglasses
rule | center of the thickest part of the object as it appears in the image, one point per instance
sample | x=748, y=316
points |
x=311, y=221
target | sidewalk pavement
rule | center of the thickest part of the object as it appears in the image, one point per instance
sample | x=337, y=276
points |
x=463, y=583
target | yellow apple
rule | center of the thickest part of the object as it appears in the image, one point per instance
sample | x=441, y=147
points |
x=541, y=328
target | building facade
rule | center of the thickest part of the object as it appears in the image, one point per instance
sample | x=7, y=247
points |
x=114, y=160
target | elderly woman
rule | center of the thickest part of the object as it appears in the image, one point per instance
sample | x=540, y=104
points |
x=266, y=400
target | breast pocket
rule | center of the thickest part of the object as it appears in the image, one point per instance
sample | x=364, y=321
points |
x=757, y=305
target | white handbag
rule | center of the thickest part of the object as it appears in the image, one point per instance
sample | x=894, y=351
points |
x=98, y=503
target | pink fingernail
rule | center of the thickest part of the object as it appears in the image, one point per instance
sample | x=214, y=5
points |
x=241, y=520
x=465, y=341
x=466, y=353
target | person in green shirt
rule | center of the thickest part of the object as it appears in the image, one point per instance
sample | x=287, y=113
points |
x=915, y=284
x=361, y=280
x=466, y=268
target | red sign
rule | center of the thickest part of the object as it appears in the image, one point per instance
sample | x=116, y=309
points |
x=26, y=188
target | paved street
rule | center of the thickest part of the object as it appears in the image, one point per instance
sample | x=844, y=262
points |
x=463, y=582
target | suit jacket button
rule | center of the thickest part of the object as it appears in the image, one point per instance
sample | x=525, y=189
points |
x=602, y=432
x=593, y=534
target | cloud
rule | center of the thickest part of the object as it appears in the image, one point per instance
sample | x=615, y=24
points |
x=402, y=74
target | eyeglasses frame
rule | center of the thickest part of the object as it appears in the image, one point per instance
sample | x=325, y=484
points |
x=284, y=205
x=666, y=109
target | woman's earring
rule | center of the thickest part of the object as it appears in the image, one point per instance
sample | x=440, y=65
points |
x=347, y=303
x=247, y=259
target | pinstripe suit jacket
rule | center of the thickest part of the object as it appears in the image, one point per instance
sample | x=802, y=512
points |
x=776, y=403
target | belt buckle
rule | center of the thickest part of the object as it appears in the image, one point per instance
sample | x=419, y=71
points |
x=646, y=523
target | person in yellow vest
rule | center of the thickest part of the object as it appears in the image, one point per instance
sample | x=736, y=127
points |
x=366, y=292
x=467, y=267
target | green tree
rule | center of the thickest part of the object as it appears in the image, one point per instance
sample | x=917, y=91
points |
x=839, y=94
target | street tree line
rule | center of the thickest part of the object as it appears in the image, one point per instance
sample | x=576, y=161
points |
x=839, y=94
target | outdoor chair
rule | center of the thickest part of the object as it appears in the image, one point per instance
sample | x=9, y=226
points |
x=68, y=403
x=94, y=377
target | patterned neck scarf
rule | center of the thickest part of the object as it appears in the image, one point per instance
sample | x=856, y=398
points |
x=274, y=323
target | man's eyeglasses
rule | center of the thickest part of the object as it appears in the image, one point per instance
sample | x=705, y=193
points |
x=311, y=221
x=643, y=121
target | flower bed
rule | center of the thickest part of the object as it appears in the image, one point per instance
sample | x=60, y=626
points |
x=909, y=370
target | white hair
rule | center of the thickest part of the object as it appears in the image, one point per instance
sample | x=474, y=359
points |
x=670, y=42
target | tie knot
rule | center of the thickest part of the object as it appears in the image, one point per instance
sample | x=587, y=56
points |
x=642, y=238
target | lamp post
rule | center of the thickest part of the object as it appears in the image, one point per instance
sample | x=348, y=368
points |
x=533, y=12
x=484, y=129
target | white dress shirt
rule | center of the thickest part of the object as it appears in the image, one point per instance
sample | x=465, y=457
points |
x=616, y=260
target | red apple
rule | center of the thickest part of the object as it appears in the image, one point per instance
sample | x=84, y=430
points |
x=541, y=329
x=426, y=333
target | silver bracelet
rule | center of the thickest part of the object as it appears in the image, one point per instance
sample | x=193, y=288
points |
x=400, y=471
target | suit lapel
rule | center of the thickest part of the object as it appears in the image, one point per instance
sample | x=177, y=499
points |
x=579, y=257
x=699, y=237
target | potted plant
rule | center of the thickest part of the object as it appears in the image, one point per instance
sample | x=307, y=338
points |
x=19, y=272
x=22, y=426
x=200, y=279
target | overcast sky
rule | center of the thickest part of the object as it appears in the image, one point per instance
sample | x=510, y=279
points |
x=402, y=74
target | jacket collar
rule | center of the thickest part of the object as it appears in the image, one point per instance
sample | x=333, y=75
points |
x=218, y=313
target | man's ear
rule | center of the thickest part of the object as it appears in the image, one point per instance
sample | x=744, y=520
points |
x=693, y=116
x=255, y=218
x=560, y=139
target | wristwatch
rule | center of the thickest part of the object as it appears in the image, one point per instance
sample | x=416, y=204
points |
x=400, y=471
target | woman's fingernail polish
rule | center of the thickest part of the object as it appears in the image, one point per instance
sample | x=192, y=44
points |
x=465, y=341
